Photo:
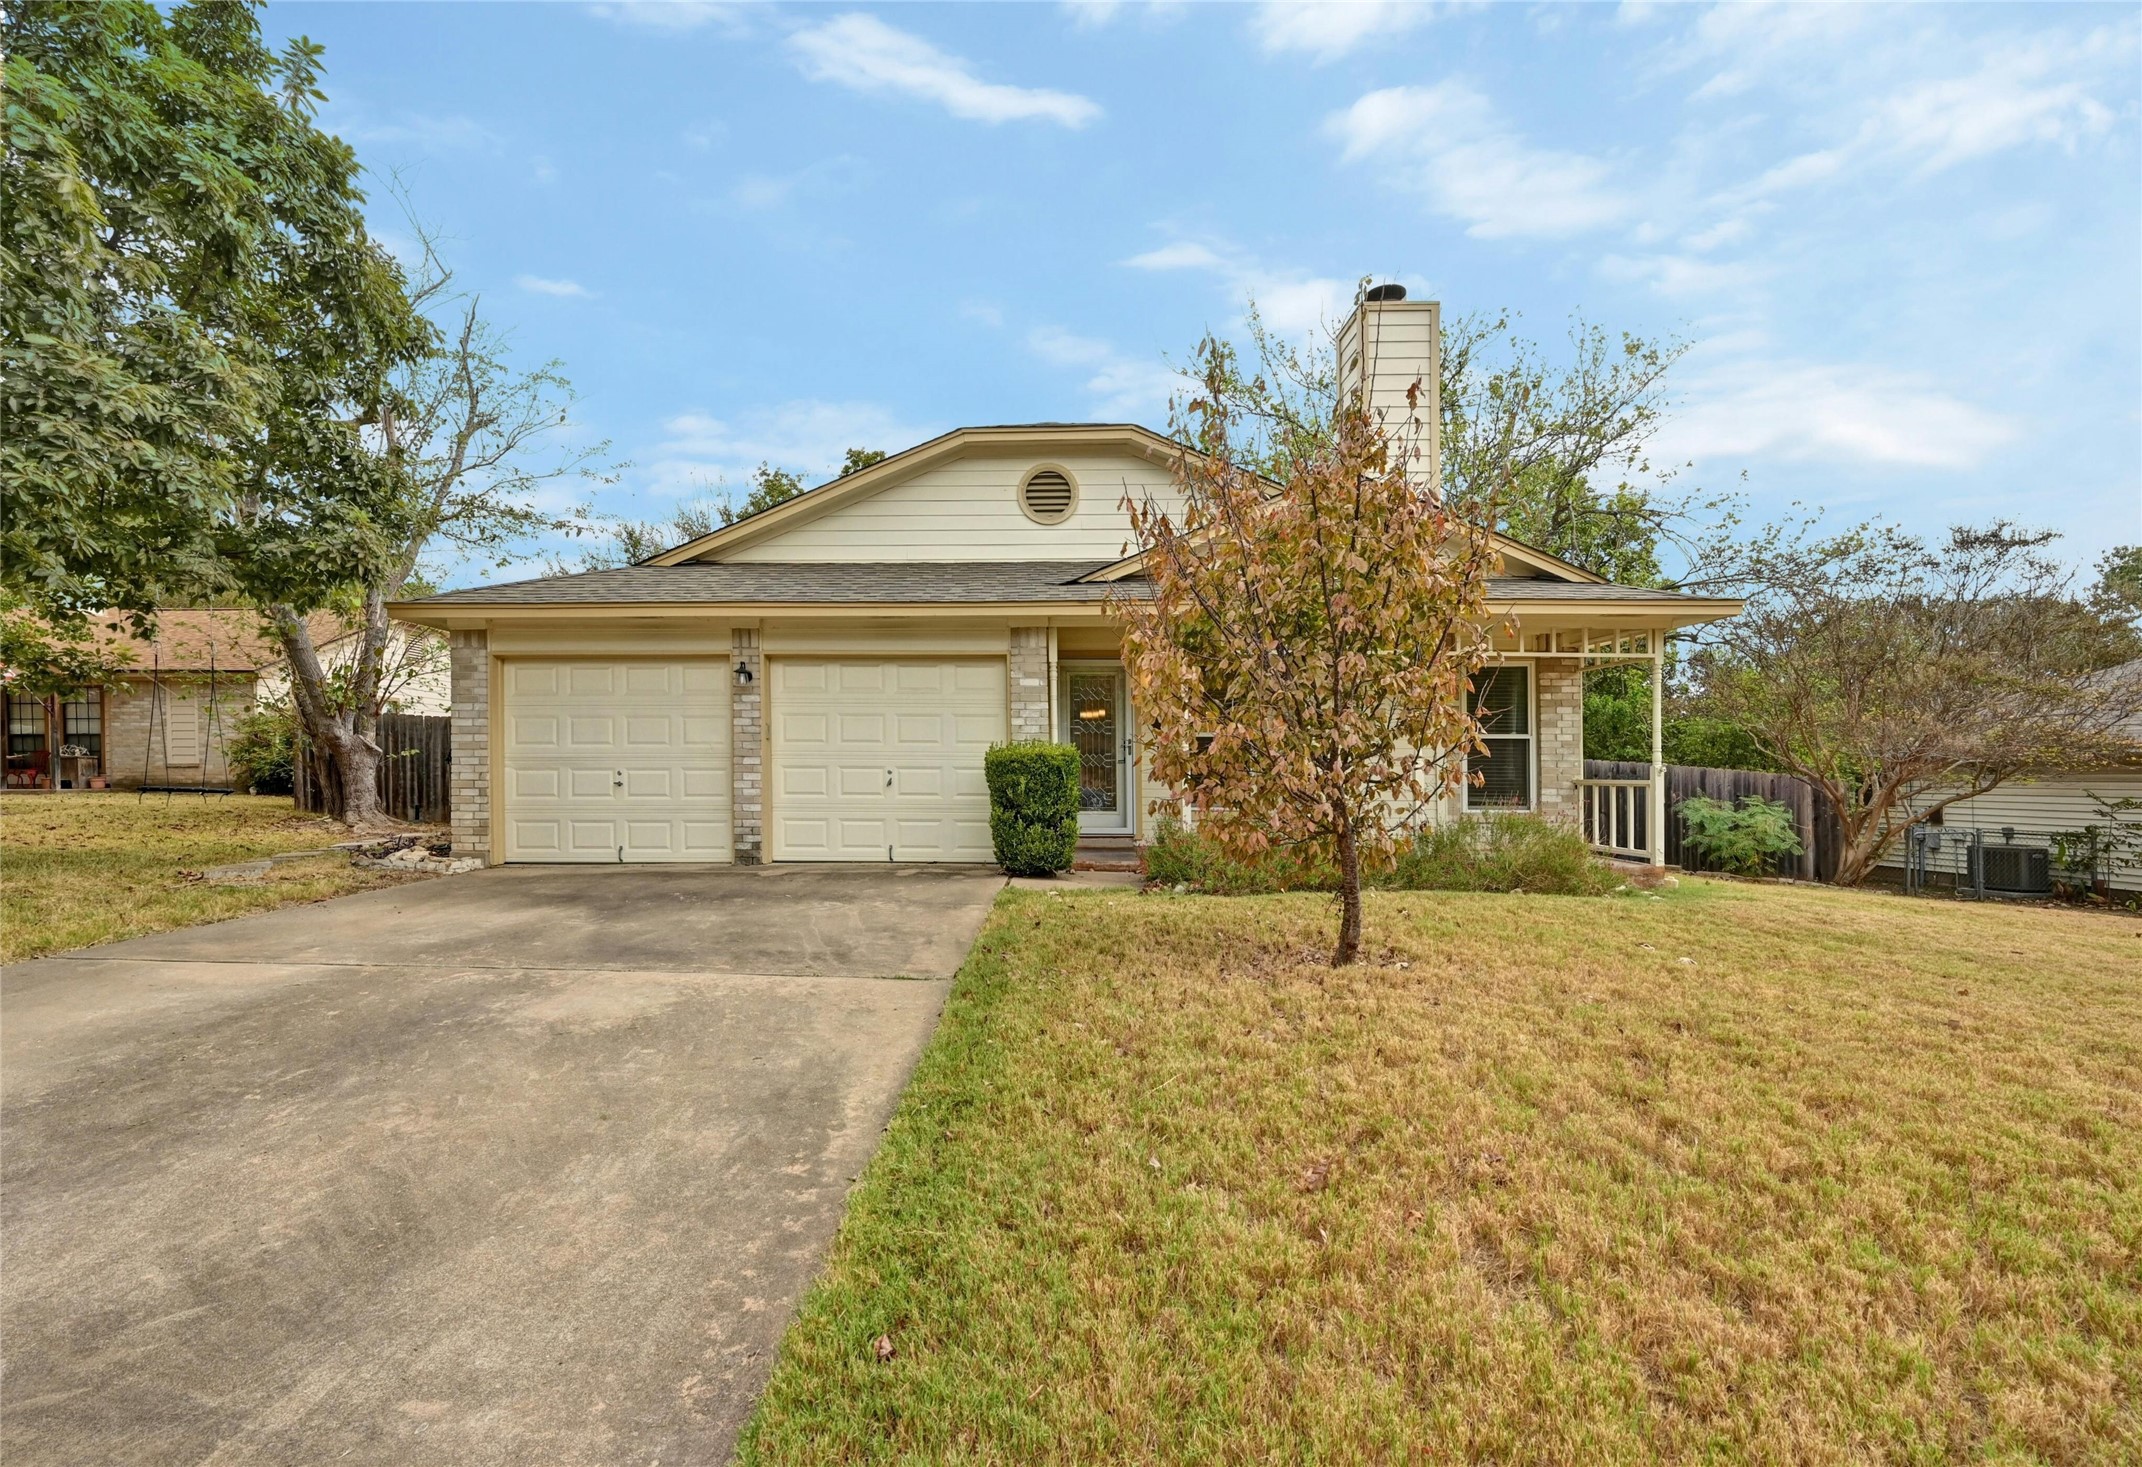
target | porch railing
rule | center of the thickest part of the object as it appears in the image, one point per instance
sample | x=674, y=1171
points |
x=1617, y=814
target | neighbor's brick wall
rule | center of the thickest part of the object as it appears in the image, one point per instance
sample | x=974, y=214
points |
x=1030, y=683
x=1560, y=737
x=469, y=774
x=747, y=751
x=132, y=738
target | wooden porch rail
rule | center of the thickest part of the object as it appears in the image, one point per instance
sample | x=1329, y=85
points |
x=1617, y=816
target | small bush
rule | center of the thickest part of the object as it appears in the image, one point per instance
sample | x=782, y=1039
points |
x=1033, y=806
x=1744, y=840
x=1500, y=853
x=263, y=750
x=1180, y=856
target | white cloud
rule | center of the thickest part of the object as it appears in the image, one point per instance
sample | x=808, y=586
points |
x=864, y=54
x=704, y=135
x=1843, y=413
x=1447, y=143
x=672, y=15
x=1682, y=275
x=983, y=313
x=423, y=131
x=1327, y=30
x=1124, y=388
x=1291, y=302
x=705, y=454
x=541, y=285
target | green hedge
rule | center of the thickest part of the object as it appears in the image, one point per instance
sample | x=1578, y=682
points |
x=1491, y=853
x=1033, y=806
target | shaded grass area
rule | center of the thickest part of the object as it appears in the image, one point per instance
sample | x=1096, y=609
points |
x=1745, y=1173
x=77, y=869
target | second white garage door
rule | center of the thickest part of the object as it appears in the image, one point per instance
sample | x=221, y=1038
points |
x=881, y=760
x=617, y=761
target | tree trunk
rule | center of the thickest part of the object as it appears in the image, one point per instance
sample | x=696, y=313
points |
x=1349, y=946
x=345, y=757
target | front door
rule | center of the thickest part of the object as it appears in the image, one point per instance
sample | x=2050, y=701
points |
x=1100, y=731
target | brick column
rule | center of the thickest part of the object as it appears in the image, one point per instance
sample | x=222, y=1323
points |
x=747, y=751
x=1560, y=737
x=1030, y=683
x=469, y=781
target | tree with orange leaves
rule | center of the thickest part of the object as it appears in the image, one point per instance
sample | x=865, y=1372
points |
x=1309, y=623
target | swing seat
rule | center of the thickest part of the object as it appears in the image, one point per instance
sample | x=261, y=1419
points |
x=184, y=789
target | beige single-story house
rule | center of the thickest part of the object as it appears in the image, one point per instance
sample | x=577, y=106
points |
x=168, y=719
x=819, y=681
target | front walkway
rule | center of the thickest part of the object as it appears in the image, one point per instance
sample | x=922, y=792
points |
x=524, y=1166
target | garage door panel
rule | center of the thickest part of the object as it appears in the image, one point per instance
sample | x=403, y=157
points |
x=904, y=776
x=533, y=784
x=533, y=680
x=806, y=780
x=617, y=760
x=533, y=731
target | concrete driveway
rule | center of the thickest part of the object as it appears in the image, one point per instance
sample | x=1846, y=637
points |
x=525, y=1166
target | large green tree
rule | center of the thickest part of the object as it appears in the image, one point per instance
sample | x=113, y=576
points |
x=195, y=322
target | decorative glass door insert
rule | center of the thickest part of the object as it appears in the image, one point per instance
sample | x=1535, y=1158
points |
x=1095, y=705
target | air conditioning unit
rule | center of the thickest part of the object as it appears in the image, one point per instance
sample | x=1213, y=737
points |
x=2018, y=870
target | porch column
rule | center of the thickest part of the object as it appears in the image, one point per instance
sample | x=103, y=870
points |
x=1559, y=738
x=1030, y=683
x=468, y=797
x=1655, y=825
x=747, y=756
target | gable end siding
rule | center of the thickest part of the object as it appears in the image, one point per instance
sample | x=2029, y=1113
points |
x=968, y=509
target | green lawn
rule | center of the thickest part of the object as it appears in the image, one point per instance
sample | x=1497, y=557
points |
x=77, y=869
x=1746, y=1173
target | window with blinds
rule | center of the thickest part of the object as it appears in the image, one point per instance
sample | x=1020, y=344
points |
x=1502, y=700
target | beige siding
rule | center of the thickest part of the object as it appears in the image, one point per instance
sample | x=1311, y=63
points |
x=1384, y=349
x=2044, y=806
x=968, y=509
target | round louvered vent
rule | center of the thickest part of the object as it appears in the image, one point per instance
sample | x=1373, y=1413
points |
x=1047, y=496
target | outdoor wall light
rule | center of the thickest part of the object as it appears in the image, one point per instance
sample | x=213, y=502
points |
x=743, y=673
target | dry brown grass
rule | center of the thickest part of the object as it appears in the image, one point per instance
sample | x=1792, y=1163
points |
x=77, y=869
x=1860, y=1180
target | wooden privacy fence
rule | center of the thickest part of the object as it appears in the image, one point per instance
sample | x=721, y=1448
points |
x=1820, y=834
x=412, y=773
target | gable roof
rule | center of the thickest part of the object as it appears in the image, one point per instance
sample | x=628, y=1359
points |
x=757, y=585
x=195, y=638
x=906, y=464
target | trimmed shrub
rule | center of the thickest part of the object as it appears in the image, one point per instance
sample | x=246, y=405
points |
x=263, y=750
x=1744, y=840
x=1033, y=806
x=1500, y=853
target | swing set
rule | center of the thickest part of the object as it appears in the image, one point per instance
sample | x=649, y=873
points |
x=160, y=723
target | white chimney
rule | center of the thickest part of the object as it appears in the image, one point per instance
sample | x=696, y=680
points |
x=1385, y=347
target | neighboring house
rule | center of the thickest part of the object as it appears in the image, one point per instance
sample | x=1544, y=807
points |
x=818, y=682
x=169, y=718
x=2020, y=819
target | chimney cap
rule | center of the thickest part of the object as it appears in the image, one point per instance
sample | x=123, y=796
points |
x=1381, y=294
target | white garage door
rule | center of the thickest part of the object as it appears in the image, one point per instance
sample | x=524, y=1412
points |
x=617, y=761
x=880, y=760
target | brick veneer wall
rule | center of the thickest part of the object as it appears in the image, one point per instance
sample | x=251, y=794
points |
x=132, y=739
x=1030, y=683
x=469, y=774
x=747, y=752
x=1559, y=702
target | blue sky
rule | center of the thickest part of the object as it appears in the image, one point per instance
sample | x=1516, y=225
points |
x=1905, y=242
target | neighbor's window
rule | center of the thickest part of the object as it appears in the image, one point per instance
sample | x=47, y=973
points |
x=25, y=723
x=83, y=717
x=1502, y=698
